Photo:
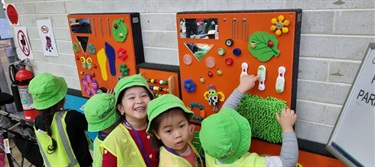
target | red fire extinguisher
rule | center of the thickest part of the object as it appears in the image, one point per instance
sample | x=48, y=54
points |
x=23, y=77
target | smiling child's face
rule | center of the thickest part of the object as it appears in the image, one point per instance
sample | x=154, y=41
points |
x=134, y=103
x=174, y=130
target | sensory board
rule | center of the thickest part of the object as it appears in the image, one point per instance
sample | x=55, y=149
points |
x=106, y=47
x=227, y=44
x=161, y=78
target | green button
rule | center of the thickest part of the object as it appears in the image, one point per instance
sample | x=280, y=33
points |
x=221, y=51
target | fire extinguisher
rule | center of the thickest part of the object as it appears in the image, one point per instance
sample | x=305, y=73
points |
x=23, y=77
x=13, y=69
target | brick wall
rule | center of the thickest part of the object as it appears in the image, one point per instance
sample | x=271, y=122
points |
x=335, y=36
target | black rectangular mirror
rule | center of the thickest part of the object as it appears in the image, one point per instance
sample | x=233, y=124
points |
x=80, y=25
x=199, y=28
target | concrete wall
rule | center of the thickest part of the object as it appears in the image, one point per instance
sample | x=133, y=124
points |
x=335, y=36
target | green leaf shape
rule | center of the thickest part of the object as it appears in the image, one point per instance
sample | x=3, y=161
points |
x=121, y=28
x=261, y=50
x=260, y=112
x=92, y=49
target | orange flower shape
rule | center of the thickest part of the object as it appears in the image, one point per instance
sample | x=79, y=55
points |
x=279, y=25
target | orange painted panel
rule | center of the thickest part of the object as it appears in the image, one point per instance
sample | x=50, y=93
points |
x=239, y=26
x=162, y=75
x=105, y=61
x=306, y=159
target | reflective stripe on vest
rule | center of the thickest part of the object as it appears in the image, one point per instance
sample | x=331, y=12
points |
x=43, y=154
x=64, y=139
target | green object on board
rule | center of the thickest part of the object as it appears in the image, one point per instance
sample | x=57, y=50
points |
x=119, y=30
x=265, y=46
x=260, y=112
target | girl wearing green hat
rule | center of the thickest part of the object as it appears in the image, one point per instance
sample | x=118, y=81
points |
x=102, y=117
x=226, y=137
x=129, y=144
x=168, y=123
x=60, y=133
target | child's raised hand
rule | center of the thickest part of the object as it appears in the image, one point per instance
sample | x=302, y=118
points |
x=247, y=82
x=286, y=119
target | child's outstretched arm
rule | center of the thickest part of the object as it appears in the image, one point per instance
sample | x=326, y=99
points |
x=247, y=82
x=289, y=148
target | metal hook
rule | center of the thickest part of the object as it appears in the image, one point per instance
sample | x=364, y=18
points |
x=109, y=27
x=93, y=22
x=244, y=29
x=101, y=27
x=234, y=28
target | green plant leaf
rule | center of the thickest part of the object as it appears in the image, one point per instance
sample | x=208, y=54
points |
x=262, y=51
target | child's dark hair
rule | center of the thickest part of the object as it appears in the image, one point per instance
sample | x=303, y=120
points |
x=47, y=115
x=155, y=142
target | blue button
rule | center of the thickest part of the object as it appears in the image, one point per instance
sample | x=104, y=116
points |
x=237, y=51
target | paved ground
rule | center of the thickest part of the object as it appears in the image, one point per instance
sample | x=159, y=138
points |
x=17, y=156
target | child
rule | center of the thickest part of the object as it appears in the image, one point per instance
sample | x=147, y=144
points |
x=60, y=133
x=102, y=117
x=169, y=119
x=129, y=144
x=226, y=138
x=169, y=125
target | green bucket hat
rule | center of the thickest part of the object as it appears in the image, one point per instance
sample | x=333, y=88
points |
x=47, y=90
x=130, y=81
x=225, y=136
x=100, y=112
x=163, y=103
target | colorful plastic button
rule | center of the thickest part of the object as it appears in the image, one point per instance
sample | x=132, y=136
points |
x=229, y=42
x=221, y=51
x=229, y=61
x=187, y=59
x=237, y=51
x=210, y=62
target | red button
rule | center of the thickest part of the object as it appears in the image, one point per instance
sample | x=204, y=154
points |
x=229, y=61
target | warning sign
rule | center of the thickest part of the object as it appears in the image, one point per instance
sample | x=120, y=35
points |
x=24, y=47
x=46, y=36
